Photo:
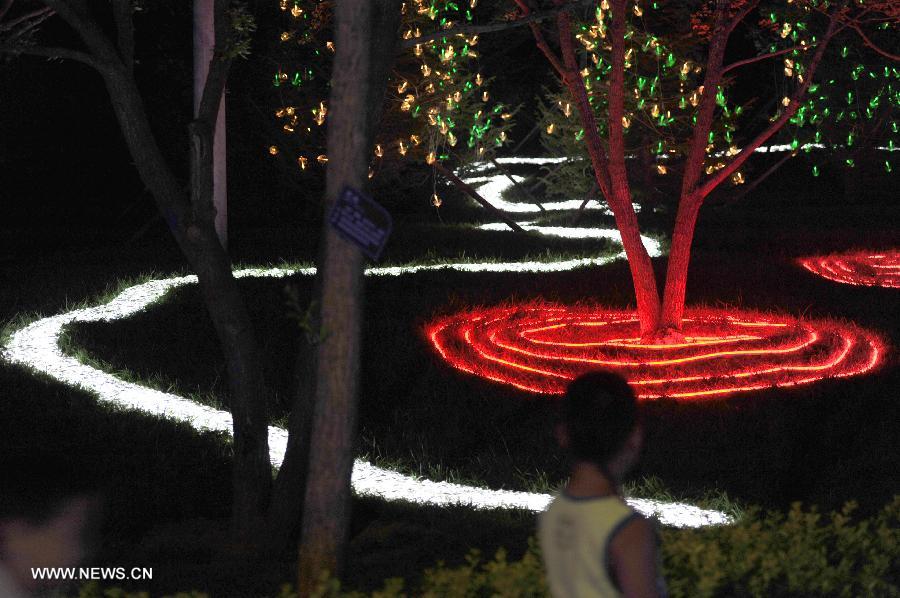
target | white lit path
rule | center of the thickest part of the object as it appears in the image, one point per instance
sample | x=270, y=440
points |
x=37, y=346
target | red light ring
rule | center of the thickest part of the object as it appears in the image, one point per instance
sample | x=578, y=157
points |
x=859, y=268
x=524, y=348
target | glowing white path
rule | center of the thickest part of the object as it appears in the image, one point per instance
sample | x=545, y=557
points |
x=492, y=187
x=37, y=346
x=573, y=232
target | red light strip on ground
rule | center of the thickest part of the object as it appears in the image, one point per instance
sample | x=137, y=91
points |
x=521, y=348
x=857, y=268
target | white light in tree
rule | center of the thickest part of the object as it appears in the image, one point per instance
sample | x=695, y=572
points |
x=37, y=346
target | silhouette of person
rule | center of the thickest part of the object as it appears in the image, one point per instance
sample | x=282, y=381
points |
x=593, y=543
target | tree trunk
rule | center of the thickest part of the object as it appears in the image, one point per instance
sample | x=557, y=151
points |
x=327, y=501
x=195, y=235
x=204, y=44
x=677, y=268
x=610, y=173
x=252, y=475
x=286, y=508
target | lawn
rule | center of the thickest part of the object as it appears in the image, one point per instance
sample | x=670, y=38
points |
x=169, y=490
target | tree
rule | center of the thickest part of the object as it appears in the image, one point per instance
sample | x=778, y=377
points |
x=190, y=215
x=204, y=45
x=438, y=107
x=612, y=94
x=362, y=56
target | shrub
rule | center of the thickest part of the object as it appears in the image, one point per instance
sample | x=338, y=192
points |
x=800, y=553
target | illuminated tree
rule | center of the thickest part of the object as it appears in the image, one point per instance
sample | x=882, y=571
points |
x=682, y=103
x=437, y=104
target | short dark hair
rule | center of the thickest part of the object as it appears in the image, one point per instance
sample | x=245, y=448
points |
x=599, y=411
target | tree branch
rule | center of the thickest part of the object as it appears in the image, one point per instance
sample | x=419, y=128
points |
x=39, y=15
x=4, y=7
x=48, y=52
x=123, y=14
x=871, y=44
x=746, y=61
x=493, y=27
x=720, y=176
x=450, y=176
x=26, y=28
x=575, y=85
x=693, y=165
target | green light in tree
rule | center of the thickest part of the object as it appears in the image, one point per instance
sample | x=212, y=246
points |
x=815, y=170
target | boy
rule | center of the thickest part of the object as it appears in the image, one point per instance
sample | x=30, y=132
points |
x=594, y=544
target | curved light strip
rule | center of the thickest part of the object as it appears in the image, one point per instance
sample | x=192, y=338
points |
x=492, y=187
x=37, y=346
x=566, y=232
x=540, y=347
x=860, y=268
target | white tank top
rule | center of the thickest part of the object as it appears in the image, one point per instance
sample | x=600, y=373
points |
x=574, y=534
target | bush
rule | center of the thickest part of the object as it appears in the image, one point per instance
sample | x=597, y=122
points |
x=801, y=553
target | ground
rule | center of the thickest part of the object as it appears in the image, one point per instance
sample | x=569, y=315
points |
x=822, y=443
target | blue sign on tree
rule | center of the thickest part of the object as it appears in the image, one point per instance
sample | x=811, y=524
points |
x=362, y=221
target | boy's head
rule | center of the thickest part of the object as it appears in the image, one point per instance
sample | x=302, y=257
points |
x=599, y=420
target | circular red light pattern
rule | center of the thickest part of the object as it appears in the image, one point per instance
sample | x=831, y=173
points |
x=540, y=347
x=864, y=268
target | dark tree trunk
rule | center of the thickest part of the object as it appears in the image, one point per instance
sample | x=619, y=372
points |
x=358, y=79
x=191, y=223
x=290, y=486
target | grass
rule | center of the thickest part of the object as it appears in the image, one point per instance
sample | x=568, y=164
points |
x=168, y=486
x=770, y=448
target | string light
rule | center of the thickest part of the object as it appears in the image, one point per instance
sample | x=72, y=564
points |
x=540, y=347
x=860, y=268
x=438, y=79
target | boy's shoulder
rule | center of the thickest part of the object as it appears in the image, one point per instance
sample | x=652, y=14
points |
x=588, y=511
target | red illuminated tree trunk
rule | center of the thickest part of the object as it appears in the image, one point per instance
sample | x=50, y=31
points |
x=695, y=188
x=609, y=169
x=661, y=318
